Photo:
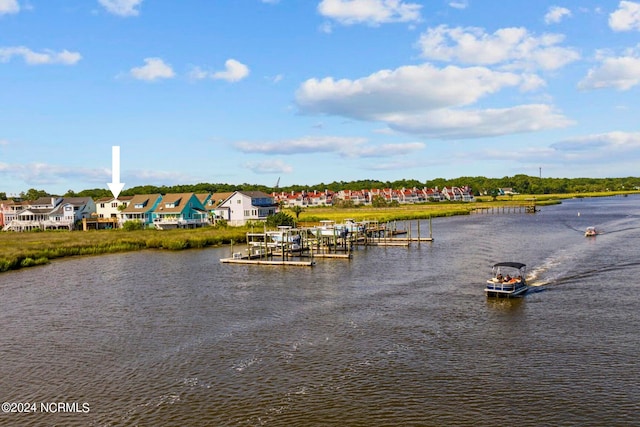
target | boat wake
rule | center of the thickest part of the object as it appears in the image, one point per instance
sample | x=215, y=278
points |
x=534, y=281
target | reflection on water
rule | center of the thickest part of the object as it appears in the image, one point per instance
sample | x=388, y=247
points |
x=396, y=336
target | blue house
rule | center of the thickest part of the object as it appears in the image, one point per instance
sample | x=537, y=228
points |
x=180, y=210
x=141, y=208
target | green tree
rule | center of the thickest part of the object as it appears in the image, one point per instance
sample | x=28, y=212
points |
x=280, y=219
x=378, y=201
x=297, y=210
x=33, y=194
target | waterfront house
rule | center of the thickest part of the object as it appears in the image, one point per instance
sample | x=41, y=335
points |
x=50, y=213
x=9, y=209
x=214, y=209
x=243, y=206
x=181, y=210
x=458, y=194
x=108, y=207
x=140, y=208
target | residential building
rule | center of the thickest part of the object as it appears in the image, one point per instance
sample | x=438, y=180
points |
x=243, y=206
x=181, y=210
x=49, y=213
x=140, y=208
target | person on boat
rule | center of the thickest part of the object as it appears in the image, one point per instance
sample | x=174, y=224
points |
x=499, y=277
x=507, y=279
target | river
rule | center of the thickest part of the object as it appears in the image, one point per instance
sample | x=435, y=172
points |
x=395, y=336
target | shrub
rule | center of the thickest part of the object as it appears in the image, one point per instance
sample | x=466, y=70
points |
x=133, y=225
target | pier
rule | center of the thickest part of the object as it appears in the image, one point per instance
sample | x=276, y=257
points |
x=528, y=208
x=301, y=246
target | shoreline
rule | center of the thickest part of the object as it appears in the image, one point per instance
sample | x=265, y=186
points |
x=30, y=249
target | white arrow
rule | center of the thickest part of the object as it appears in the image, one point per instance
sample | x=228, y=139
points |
x=115, y=185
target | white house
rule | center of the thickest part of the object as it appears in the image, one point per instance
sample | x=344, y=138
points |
x=108, y=207
x=243, y=206
x=52, y=212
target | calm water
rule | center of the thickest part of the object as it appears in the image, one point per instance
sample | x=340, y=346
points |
x=396, y=336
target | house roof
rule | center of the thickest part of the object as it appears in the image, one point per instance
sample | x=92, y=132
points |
x=110, y=199
x=218, y=198
x=174, y=203
x=255, y=194
x=146, y=200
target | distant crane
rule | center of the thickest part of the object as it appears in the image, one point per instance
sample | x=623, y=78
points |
x=277, y=183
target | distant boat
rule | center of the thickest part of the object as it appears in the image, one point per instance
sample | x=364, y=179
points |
x=329, y=228
x=590, y=232
x=508, y=280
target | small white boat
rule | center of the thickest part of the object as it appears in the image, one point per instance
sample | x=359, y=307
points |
x=590, y=232
x=285, y=236
x=329, y=228
x=508, y=280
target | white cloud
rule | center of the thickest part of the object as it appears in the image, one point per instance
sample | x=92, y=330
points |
x=626, y=17
x=619, y=148
x=269, y=166
x=344, y=146
x=234, y=71
x=610, y=141
x=384, y=150
x=430, y=101
x=154, y=69
x=311, y=144
x=64, y=57
x=459, y=4
x=511, y=48
x=556, y=14
x=450, y=123
x=9, y=6
x=43, y=173
x=408, y=88
x=621, y=73
x=371, y=12
x=122, y=7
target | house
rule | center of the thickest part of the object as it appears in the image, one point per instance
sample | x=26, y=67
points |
x=9, y=210
x=213, y=206
x=108, y=207
x=140, y=208
x=458, y=194
x=506, y=191
x=243, y=206
x=108, y=213
x=51, y=213
x=181, y=210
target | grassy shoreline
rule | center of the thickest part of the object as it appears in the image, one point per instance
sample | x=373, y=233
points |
x=21, y=250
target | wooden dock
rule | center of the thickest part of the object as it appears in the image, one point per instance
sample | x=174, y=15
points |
x=301, y=246
x=258, y=261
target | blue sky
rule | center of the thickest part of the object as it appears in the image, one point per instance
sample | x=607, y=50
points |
x=311, y=91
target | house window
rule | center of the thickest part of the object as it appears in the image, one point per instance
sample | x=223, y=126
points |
x=113, y=205
x=239, y=201
x=102, y=205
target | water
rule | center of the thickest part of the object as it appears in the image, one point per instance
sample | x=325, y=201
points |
x=396, y=336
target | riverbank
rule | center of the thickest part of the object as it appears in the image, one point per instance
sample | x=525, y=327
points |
x=20, y=250
x=27, y=249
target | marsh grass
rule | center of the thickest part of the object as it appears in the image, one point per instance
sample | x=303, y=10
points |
x=19, y=250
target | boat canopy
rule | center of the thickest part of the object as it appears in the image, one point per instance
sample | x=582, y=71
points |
x=517, y=265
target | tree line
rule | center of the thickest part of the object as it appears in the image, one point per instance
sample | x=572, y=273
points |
x=480, y=185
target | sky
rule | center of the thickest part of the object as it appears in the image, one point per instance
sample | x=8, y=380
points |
x=303, y=92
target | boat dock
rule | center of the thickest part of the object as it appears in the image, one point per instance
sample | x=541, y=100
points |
x=301, y=246
x=528, y=207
